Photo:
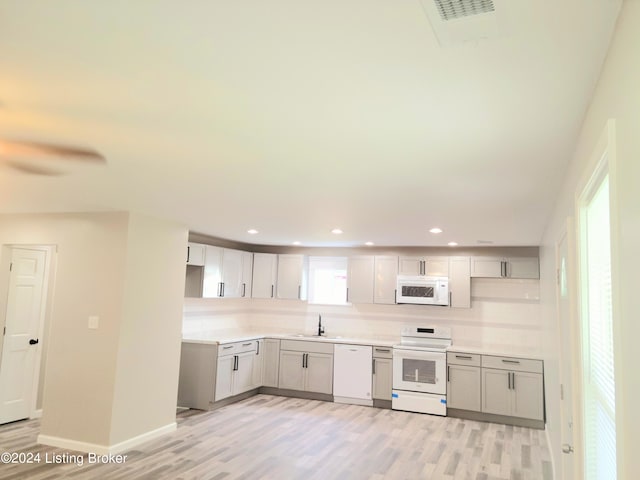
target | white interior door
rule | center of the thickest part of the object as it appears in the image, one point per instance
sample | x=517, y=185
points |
x=20, y=341
x=567, y=346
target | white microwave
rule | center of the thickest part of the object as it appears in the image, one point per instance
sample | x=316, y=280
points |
x=422, y=290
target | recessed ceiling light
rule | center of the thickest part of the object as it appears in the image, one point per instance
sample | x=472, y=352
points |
x=336, y=231
x=453, y=244
x=296, y=243
x=252, y=231
x=436, y=230
x=368, y=244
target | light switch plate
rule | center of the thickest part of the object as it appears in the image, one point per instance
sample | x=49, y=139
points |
x=93, y=322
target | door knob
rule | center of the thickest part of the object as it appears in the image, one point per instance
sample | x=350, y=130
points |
x=566, y=448
x=33, y=341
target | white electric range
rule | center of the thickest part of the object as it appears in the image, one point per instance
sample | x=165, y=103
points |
x=420, y=370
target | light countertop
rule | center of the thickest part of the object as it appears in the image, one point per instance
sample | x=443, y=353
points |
x=223, y=337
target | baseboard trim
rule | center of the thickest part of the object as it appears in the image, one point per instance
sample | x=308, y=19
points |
x=353, y=401
x=488, y=417
x=87, y=447
x=36, y=414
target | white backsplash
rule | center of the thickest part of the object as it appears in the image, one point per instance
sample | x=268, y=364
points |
x=506, y=314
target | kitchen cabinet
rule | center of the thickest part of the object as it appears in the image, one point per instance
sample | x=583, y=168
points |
x=512, y=387
x=258, y=365
x=271, y=362
x=227, y=272
x=431, y=266
x=306, y=366
x=505, y=267
x=195, y=254
x=196, y=385
x=463, y=381
x=291, y=281
x=360, y=279
x=382, y=373
x=460, y=282
x=265, y=269
x=385, y=279
x=234, y=374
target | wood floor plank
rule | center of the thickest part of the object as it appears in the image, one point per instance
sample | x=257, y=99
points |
x=271, y=437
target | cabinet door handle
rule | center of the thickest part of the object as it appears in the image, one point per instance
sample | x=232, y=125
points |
x=447, y=373
x=509, y=380
x=299, y=288
x=258, y=348
x=464, y=357
x=227, y=347
x=235, y=363
x=347, y=294
x=382, y=350
x=513, y=380
x=303, y=357
x=450, y=299
x=188, y=253
x=516, y=362
x=246, y=344
x=244, y=289
x=373, y=366
x=395, y=296
x=271, y=291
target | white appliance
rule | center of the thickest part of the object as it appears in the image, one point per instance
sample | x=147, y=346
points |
x=422, y=290
x=352, y=374
x=420, y=370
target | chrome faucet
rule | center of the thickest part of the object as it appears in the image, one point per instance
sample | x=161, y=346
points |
x=320, y=327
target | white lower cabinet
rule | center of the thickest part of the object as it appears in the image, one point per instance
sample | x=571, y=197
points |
x=463, y=381
x=306, y=366
x=235, y=373
x=271, y=361
x=258, y=365
x=516, y=390
x=382, y=373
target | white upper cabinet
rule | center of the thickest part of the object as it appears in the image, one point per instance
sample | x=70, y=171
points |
x=291, y=282
x=460, y=282
x=431, y=266
x=226, y=272
x=360, y=279
x=523, y=267
x=385, y=280
x=265, y=268
x=237, y=269
x=195, y=254
x=505, y=267
x=212, y=272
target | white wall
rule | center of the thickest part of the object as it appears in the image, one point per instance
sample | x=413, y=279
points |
x=79, y=382
x=148, y=360
x=119, y=381
x=617, y=96
x=500, y=318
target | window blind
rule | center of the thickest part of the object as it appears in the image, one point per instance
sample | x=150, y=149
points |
x=599, y=406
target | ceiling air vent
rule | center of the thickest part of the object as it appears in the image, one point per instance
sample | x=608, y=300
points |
x=452, y=9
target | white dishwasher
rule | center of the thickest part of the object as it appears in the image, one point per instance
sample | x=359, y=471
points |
x=352, y=374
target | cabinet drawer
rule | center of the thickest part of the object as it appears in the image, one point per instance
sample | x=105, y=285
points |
x=382, y=352
x=302, y=346
x=236, y=347
x=512, y=363
x=461, y=358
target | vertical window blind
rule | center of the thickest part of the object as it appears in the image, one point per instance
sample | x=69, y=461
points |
x=597, y=322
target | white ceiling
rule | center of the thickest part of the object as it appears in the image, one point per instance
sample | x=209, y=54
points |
x=294, y=117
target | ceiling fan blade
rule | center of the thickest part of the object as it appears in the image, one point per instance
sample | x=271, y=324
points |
x=32, y=169
x=13, y=149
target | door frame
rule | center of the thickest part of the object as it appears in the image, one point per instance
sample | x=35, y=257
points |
x=573, y=354
x=6, y=252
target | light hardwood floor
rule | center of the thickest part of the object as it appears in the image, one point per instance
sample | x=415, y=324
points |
x=271, y=437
